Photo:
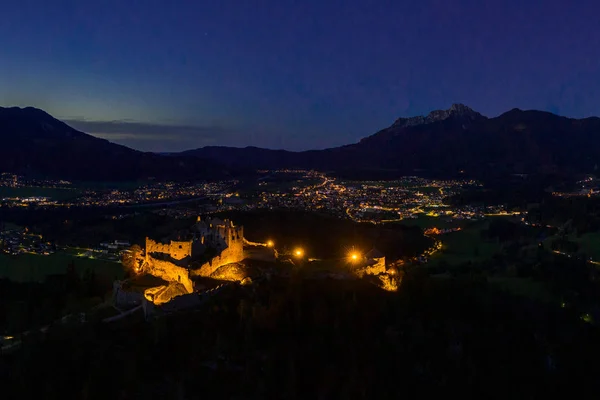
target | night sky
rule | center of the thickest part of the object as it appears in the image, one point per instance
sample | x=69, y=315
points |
x=170, y=75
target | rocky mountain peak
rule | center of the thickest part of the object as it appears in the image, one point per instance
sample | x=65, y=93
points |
x=456, y=110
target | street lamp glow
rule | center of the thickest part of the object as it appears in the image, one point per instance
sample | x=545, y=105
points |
x=270, y=243
x=354, y=256
x=299, y=252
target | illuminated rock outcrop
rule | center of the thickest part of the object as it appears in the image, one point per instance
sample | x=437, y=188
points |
x=163, y=294
x=390, y=281
x=231, y=272
x=373, y=264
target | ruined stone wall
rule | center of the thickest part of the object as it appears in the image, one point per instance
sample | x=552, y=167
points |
x=389, y=282
x=234, y=252
x=180, y=250
x=228, y=232
x=235, y=244
x=125, y=299
x=229, y=255
x=221, y=231
x=227, y=235
x=169, y=272
x=156, y=247
x=377, y=268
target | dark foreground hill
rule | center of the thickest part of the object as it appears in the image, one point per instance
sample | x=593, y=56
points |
x=34, y=143
x=321, y=339
x=446, y=142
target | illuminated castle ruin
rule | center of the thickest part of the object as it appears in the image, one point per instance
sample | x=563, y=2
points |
x=373, y=263
x=187, y=255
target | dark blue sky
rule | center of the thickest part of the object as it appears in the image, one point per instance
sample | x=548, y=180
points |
x=172, y=75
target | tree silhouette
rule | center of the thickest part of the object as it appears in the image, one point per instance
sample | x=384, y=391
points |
x=72, y=279
x=131, y=259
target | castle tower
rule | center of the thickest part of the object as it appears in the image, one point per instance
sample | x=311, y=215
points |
x=180, y=250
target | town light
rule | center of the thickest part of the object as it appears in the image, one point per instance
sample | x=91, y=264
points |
x=298, y=252
x=270, y=243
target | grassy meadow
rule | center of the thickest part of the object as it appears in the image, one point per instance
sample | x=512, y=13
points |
x=33, y=267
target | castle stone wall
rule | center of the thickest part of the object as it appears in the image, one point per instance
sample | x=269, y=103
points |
x=169, y=272
x=232, y=254
x=223, y=235
x=377, y=268
x=235, y=246
x=125, y=299
x=156, y=247
x=180, y=250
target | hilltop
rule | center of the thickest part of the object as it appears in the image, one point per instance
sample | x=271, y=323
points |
x=447, y=142
x=35, y=143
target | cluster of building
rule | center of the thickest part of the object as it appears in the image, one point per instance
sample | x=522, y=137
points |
x=578, y=193
x=587, y=187
x=436, y=231
x=15, y=242
x=365, y=201
x=437, y=246
x=115, y=245
x=155, y=193
x=17, y=201
x=160, y=192
x=8, y=179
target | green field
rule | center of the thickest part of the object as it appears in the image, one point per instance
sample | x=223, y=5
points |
x=589, y=244
x=9, y=226
x=523, y=287
x=31, y=267
x=466, y=245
